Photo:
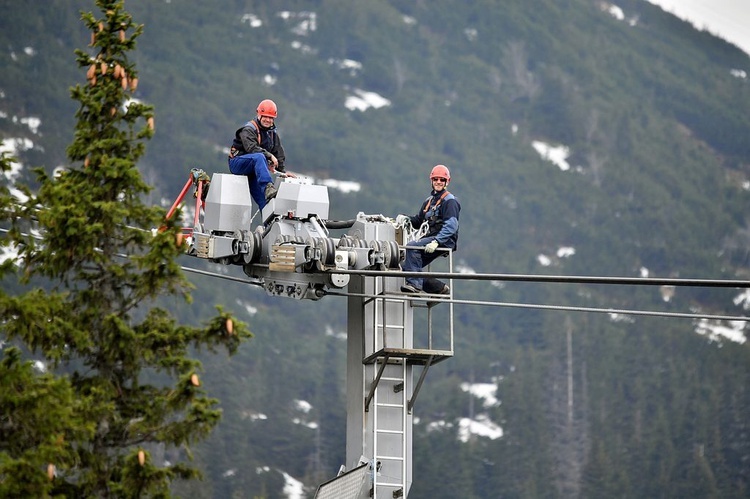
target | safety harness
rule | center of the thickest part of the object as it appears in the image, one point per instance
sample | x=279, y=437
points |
x=255, y=127
x=233, y=151
x=433, y=222
x=428, y=201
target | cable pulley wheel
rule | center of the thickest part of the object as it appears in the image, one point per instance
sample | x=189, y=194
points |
x=345, y=242
x=392, y=254
x=327, y=250
x=255, y=243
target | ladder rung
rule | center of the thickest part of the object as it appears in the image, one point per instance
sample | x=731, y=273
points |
x=390, y=484
x=390, y=326
x=391, y=379
x=390, y=458
x=383, y=404
x=392, y=432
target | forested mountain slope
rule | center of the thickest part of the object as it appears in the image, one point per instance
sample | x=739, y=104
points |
x=644, y=122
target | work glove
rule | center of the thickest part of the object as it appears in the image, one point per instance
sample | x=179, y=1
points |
x=272, y=163
x=402, y=220
x=431, y=247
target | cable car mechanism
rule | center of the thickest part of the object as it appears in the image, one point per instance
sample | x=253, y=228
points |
x=291, y=251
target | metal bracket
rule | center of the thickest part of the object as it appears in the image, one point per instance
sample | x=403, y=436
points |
x=375, y=382
x=419, y=383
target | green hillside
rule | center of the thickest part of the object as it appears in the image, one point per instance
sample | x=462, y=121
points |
x=654, y=117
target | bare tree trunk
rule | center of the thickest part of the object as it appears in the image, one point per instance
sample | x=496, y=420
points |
x=399, y=73
x=569, y=344
x=569, y=444
x=516, y=63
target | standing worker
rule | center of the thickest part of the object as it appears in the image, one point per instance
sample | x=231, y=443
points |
x=257, y=152
x=440, y=210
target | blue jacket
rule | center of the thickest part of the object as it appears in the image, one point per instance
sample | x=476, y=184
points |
x=441, y=212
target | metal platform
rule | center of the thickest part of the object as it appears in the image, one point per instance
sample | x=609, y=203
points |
x=417, y=357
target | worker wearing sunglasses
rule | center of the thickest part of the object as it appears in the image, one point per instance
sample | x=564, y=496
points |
x=440, y=211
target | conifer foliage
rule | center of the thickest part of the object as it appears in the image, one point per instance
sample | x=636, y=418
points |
x=118, y=400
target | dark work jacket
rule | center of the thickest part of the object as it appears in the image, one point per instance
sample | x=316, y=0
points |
x=246, y=142
x=442, y=218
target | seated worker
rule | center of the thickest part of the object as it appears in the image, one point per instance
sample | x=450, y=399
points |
x=257, y=152
x=440, y=210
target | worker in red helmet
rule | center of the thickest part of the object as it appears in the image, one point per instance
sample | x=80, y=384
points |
x=257, y=152
x=440, y=210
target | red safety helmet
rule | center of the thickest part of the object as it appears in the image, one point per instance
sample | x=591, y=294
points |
x=267, y=107
x=440, y=171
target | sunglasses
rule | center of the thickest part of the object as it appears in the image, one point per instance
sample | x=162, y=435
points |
x=439, y=179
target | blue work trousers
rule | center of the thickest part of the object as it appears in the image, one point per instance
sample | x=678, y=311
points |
x=255, y=167
x=416, y=259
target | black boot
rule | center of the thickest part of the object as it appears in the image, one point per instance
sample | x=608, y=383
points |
x=270, y=191
x=435, y=287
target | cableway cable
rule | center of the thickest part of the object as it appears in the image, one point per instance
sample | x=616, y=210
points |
x=537, y=306
x=614, y=311
x=640, y=281
x=647, y=281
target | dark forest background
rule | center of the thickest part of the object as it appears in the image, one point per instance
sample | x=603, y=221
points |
x=656, y=116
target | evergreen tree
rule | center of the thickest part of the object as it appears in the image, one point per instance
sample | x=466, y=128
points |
x=125, y=388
